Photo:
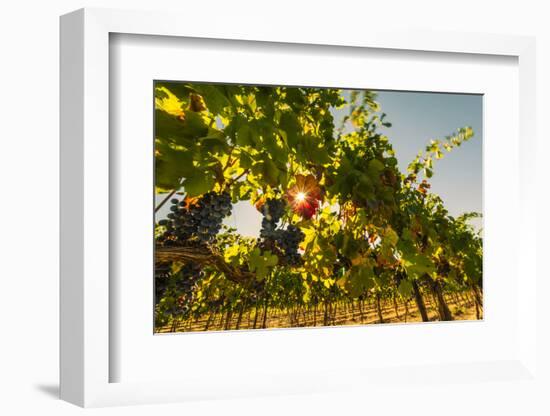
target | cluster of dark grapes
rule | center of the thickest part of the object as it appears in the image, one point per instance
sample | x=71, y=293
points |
x=182, y=286
x=201, y=221
x=162, y=277
x=187, y=287
x=272, y=210
x=283, y=242
x=289, y=241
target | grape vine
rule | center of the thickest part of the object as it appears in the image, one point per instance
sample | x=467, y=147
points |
x=345, y=237
x=201, y=220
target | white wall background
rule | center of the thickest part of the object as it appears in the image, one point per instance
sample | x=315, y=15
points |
x=29, y=188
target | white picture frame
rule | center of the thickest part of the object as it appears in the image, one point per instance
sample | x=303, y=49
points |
x=86, y=355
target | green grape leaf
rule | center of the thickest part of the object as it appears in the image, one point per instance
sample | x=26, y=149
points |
x=405, y=288
x=213, y=144
x=417, y=264
x=261, y=262
x=267, y=170
x=214, y=97
x=374, y=168
x=245, y=160
x=246, y=136
x=291, y=128
x=360, y=279
x=199, y=184
x=390, y=237
x=171, y=166
x=179, y=89
x=183, y=132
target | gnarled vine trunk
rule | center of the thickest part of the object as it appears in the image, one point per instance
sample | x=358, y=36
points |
x=420, y=302
x=204, y=256
x=442, y=307
x=379, y=309
x=478, y=297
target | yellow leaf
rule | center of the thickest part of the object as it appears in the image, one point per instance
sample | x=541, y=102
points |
x=391, y=236
x=328, y=283
x=309, y=235
x=170, y=104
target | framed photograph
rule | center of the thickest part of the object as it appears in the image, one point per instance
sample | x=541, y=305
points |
x=282, y=213
x=287, y=207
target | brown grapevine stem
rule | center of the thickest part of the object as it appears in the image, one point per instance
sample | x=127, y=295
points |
x=203, y=256
x=170, y=195
x=236, y=178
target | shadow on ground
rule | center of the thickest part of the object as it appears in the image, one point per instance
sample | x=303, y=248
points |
x=51, y=390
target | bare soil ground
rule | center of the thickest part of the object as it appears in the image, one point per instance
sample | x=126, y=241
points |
x=462, y=308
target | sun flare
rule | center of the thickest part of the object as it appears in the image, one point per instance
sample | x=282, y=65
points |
x=300, y=197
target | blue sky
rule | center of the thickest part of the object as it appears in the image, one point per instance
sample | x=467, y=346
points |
x=416, y=118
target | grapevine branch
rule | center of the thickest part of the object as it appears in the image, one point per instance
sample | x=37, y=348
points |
x=237, y=178
x=159, y=206
x=203, y=256
x=170, y=195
